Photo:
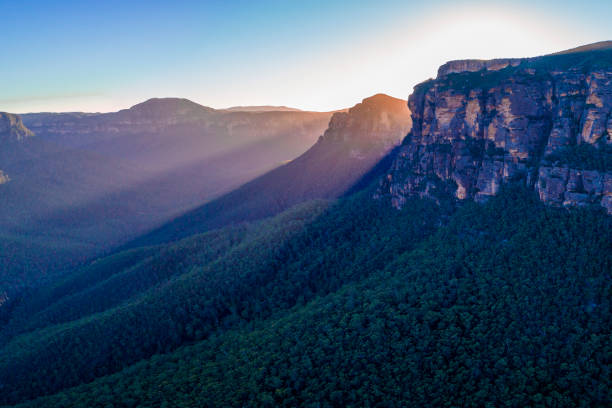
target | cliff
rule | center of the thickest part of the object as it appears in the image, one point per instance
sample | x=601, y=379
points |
x=544, y=121
x=12, y=128
x=379, y=120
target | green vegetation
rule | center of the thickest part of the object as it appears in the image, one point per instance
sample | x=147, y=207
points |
x=354, y=305
x=541, y=70
x=465, y=81
x=278, y=264
x=583, y=156
x=443, y=148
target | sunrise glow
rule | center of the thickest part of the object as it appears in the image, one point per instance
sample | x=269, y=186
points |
x=314, y=58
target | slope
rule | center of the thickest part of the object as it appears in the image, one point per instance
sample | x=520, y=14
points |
x=353, y=144
x=89, y=182
x=507, y=305
x=144, y=309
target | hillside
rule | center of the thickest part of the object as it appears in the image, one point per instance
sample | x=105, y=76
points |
x=350, y=302
x=351, y=147
x=86, y=183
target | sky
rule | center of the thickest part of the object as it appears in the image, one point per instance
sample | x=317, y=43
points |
x=316, y=55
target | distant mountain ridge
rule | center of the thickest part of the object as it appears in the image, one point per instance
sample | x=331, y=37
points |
x=94, y=180
x=354, y=142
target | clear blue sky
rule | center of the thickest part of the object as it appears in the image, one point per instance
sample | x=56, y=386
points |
x=107, y=55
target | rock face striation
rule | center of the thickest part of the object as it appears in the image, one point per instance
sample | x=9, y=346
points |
x=12, y=128
x=379, y=121
x=544, y=121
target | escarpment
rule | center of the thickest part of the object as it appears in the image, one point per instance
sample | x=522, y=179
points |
x=543, y=121
x=12, y=130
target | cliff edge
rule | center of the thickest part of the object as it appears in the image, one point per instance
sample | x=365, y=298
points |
x=544, y=121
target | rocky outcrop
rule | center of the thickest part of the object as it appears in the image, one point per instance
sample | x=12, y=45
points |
x=543, y=121
x=573, y=187
x=378, y=121
x=12, y=128
x=452, y=67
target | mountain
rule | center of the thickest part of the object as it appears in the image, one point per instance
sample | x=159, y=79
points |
x=350, y=148
x=86, y=183
x=168, y=132
x=545, y=121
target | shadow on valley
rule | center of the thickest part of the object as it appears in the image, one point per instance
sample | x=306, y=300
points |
x=346, y=301
x=356, y=148
x=75, y=185
x=157, y=299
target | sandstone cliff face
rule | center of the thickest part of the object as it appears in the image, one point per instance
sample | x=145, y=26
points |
x=544, y=121
x=12, y=128
x=377, y=123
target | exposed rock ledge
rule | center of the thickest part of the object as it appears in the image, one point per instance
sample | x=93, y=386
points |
x=457, y=66
x=12, y=128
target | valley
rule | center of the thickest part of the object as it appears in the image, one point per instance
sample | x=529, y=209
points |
x=449, y=250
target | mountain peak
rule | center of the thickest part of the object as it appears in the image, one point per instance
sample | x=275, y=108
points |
x=384, y=102
x=12, y=128
x=381, y=98
x=168, y=106
x=377, y=119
